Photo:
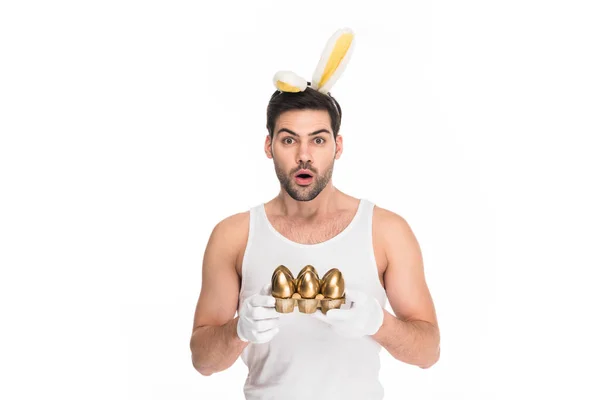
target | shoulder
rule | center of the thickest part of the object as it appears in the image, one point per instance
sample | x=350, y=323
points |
x=391, y=230
x=234, y=222
x=233, y=228
x=389, y=222
x=231, y=232
x=230, y=235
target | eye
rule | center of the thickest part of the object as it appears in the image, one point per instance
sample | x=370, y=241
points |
x=284, y=140
x=322, y=140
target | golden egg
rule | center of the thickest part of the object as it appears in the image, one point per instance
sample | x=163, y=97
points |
x=308, y=285
x=284, y=269
x=307, y=268
x=332, y=284
x=282, y=285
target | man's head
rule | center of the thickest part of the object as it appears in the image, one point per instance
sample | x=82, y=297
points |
x=303, y=134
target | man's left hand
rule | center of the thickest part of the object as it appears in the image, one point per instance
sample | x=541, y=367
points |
x=364, y=317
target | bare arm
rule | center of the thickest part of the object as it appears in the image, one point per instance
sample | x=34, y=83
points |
x=214, y=344
x=412, y=336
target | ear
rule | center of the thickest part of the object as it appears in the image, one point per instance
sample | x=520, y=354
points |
x=339, y=146
x=268, y=147
x=333, y=60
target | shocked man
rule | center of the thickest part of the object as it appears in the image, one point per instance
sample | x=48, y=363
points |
x=297, y=355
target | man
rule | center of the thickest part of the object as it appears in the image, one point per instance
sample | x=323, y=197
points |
x=332, y=355
x=311, y=222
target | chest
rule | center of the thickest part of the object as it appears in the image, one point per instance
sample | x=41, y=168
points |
x=311, y=232
x=321, y=231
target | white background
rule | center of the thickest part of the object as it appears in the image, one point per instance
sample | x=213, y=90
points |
x=129, y=129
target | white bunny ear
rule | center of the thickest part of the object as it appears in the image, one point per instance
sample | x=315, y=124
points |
x=287, y=81
x=333, y=60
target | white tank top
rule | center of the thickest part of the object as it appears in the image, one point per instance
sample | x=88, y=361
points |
x=306, y=359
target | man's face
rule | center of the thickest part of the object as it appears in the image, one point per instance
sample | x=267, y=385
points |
x=303, y=139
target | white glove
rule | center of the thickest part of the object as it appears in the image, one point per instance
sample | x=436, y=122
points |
x=258, y=321
x=364, y=317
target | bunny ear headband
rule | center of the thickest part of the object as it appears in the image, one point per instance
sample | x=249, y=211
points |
x=331, y=66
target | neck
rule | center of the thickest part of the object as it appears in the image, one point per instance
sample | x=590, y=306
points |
x=326, y=202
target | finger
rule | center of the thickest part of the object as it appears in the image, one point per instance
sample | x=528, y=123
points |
x=266, y=324
x=266, y=290
x=263, y=337
x=257, y=313
x=259, y=300
x=355, y=296
x=346, y=331
x=320, y=316
x=339, y=315
x=334, y=316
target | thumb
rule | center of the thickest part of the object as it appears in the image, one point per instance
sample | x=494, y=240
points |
x=266, y=290
x=355, y=296
x=320, y=316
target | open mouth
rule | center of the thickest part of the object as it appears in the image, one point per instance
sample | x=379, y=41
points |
x=303, y=178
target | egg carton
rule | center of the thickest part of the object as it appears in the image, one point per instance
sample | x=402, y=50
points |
x=307, y=306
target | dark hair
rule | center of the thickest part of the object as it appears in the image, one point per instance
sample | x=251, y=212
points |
x=308, y=99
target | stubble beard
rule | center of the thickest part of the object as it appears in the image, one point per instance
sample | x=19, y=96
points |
x=304, y=193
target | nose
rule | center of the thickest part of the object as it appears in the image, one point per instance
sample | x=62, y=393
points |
x=303, y=155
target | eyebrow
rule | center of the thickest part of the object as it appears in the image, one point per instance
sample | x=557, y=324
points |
x=295, y=134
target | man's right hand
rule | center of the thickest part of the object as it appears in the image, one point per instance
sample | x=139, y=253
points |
x=258, y=321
